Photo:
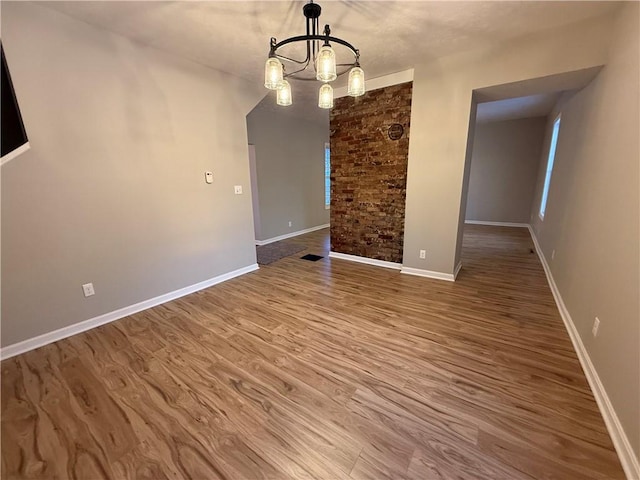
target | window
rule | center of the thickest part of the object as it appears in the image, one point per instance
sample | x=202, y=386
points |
x=327, y=176
x=547, y=175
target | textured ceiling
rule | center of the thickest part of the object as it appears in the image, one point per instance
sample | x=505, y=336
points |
x=392, y=36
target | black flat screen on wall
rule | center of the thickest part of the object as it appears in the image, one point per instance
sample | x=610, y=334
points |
x=13, y=133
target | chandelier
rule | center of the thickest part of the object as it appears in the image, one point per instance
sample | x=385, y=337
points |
x=319, y=55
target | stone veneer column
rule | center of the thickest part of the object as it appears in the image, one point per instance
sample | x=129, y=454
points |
x=369, y=173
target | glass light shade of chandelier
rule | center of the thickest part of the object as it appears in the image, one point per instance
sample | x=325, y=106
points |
x=355, y=87
x=325, y=97
x=326, y=64
x=284, y=94
x=273, y=73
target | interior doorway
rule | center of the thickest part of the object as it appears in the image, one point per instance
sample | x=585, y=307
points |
x=508, y=133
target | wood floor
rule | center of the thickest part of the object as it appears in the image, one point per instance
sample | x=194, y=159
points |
x=325, y=370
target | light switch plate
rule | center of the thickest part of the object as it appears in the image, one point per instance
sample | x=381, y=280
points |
x=596, y=327
x=237, y=189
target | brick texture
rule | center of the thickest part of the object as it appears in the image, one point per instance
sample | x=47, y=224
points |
x=369, y=173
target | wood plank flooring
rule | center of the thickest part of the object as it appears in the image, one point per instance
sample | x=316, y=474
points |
x=324, y=370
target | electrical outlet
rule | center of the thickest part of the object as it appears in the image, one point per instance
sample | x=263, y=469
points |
x=290, y=223
x=553, y=255
x=423, y=254
x=88, y=290
x=596, y=327
x=237, y=189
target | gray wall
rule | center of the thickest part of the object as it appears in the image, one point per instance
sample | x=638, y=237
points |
x=290, y=168
x=504, y=169
x=592, y=219
x=440, y=108
x=112, y=191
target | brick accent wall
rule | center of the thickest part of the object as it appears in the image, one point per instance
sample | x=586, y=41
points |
x=369, y=173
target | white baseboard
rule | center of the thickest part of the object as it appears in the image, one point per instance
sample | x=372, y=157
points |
x=627, y=456
x=396, y=266
x=450, y=277
x=368, y=261
x=50, y=337
x=457, y=270
x=497, y=224
x=292, y=234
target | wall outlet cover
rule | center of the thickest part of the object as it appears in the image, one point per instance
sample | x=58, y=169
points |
x=88, y=290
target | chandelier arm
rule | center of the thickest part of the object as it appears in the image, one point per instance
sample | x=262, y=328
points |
x=286, y=75
x=314, y=43
x=304, y=38
x=299, y=62
x=310, y=22
x=302, y=79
